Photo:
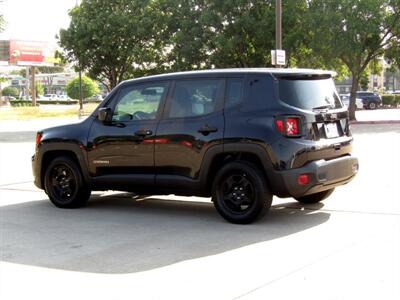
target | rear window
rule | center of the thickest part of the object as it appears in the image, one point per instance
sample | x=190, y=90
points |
x=309, y=93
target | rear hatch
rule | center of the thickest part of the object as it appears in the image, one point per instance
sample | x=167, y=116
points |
x=315, y=99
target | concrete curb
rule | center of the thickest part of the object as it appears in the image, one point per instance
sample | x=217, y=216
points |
x=380, y=122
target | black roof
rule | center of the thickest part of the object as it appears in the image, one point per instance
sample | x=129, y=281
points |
x=213, y=72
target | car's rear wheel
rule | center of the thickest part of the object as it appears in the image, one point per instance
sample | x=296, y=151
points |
x=315, y=198
x=64, y=183
x=240, y=192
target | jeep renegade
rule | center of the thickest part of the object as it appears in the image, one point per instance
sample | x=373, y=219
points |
x=237, y=135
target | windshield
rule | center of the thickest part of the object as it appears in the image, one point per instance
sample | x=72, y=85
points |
x=310, y=93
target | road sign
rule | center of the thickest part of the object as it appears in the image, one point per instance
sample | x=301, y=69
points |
x=278, y=57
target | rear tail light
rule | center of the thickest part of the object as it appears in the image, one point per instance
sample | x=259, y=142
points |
x=288, y=126
x=38, y=138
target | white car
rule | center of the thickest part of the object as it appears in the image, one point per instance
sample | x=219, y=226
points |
x=63, y=97
x=50, y=96
x=346, y=101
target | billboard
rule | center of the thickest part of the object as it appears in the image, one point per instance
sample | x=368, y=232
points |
x=28, y=53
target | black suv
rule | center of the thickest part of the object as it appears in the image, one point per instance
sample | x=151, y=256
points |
x=238, y=135
x=370, y=100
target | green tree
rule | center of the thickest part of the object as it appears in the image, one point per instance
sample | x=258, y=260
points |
x=2, y=79
x=51, y=70
x=10, y=91
x=89, y=88
x=22, y=72
x=356, y=32
x=39, y=88
x=231, y=33
x=2, y=22
x=393, y=56
x=111, y=40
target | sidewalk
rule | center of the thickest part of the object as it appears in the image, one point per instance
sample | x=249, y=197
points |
x=379, y=116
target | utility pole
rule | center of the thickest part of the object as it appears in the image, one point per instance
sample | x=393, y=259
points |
x=80, y=94
x=278, y=29
x=278, y=24
x=27, y=84
x=33, y=88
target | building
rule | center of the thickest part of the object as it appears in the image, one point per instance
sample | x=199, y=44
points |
x=53, y=83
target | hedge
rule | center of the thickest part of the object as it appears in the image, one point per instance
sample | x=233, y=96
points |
x=391, y=99
x=44, y=102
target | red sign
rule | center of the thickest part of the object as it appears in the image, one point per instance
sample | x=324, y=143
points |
x=26, y=51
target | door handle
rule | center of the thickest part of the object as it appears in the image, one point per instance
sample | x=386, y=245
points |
x=142, y=133
x=206, y=129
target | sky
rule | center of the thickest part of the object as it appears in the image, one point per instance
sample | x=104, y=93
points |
x=35, y=20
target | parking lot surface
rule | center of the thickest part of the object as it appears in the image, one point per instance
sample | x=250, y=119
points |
x=120, y=247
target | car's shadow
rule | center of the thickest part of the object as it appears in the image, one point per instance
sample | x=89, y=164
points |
x=115, y=234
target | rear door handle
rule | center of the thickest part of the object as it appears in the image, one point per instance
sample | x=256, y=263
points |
x=142, y=133
x=206, y=129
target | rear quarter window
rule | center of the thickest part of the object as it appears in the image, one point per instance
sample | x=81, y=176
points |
x=260, y=93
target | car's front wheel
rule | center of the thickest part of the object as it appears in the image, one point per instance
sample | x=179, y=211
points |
x=315, y=198
x=240, y=192
x=64, y=183
x=372, y=105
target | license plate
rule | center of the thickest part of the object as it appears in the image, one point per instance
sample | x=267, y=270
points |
x=331, y=130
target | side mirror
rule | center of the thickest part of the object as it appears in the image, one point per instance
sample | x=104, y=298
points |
x=104, y=114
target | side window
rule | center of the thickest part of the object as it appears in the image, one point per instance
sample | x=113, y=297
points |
x=194, y=98
x=234, y=92
x=139, y=102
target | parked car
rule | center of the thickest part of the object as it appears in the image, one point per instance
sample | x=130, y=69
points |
x=50, y=97
x=371, y=100
x=63, y=97
x=239, y=136
x=10, y=98
x=346, y=101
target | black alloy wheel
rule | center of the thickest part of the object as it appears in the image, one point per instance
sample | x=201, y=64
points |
x=240, y=192
x=64, y=184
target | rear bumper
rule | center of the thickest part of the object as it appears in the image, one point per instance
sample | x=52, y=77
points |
x=323, y=175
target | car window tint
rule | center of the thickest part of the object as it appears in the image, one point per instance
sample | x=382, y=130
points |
x=309, y=93
x=139, y=102
x=194, y=98
x=234, y=90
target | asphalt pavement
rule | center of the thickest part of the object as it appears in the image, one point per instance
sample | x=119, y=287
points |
x=120, y=247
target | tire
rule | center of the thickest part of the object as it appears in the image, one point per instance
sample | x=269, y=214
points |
x=315, y=198
x=64, y=183
x=254, y=199
x=372, y=105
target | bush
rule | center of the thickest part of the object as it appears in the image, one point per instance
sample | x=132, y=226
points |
x=388, y=99
x=397, y=99
x=89, y=88
x=10, y=91
x=67, y=102
x=16, y=103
